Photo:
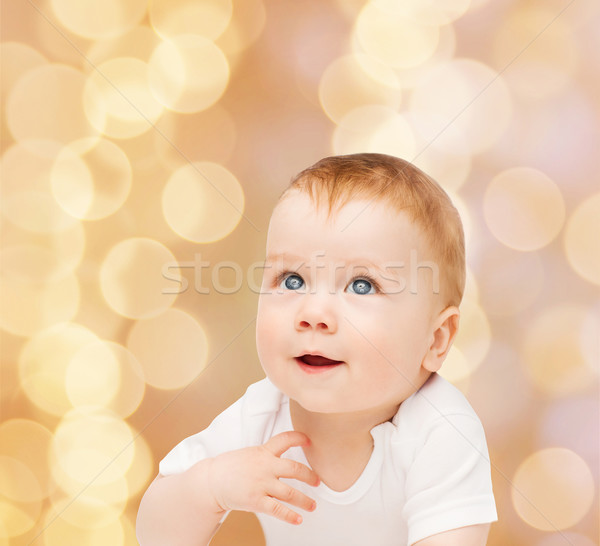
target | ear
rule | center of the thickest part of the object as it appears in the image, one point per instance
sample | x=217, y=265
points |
x=445, y=327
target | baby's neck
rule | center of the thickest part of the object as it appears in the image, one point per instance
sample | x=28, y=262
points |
x=331, y=429
x=341, y=443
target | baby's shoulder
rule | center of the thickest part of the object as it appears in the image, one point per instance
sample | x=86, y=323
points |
x=247, y=422
x=262, y=397
x=260, y=411
x=437, y=400
x=435, y=424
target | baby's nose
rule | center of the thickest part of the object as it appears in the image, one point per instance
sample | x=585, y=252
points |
x=317, y=314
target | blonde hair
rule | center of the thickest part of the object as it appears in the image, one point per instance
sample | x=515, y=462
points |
x=398, y=183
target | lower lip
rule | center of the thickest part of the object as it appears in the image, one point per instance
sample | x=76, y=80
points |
x=307, y=368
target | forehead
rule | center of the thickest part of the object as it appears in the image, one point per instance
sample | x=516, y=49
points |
x=362, y=225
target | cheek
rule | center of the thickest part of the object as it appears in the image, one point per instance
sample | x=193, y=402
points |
x=262, y=335
x=391, y=342
x=268, y=328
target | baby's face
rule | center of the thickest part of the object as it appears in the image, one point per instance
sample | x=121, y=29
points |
x=341, y=324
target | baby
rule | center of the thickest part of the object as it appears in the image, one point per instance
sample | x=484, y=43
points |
x=352, y=438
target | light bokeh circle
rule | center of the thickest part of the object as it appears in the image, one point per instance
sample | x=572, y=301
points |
x=118, y=100
x=172, y=348
x=41, y=257
x=188, y=73
x=36, y=98
x=86, y=18
x=354, y=130
x=61, y=528
x=89, y=446
x=450, y=170
x=29, y=306
x=474, y=336
x=43, y=363
x=27, y=200
x=29, y=262
x=395, y=137
x=208, y=18
x=574, y=423
x=115, y=494
x=352, y=81
x=92, y=377
x=132, y=277
x=29, y=442
x=428, y=12
x=374, y=128
x=471, y=291
x=475, y=102
x=582, y=242
x=17, y=518
x=552, y=489
x=138, y=43
x=456, y=369
x=17, y=59
x=91, y=182
x=588, y=340
x=17, y=482
x=106, y=374
x=396, y=39
x=247, y=23
x=554, y=351
x=444, y=52
x=203, y=202
x=142, y=468
x=445, y=155
x=37, y=211
x=524, y=208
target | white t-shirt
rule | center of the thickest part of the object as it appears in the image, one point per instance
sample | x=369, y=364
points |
x=429, y=470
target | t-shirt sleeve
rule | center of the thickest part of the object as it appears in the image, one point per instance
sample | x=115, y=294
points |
x=448, y=484
x=223, y=434
x=246, y=422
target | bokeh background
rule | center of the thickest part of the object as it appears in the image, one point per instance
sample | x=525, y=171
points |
x=143, y=147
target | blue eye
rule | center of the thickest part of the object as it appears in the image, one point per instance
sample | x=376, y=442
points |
x=361, y=286
x=293, y=282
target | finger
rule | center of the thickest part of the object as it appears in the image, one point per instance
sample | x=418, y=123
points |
x=274, y=508
x=280, y=443
x=286, y=493
x=288, y=468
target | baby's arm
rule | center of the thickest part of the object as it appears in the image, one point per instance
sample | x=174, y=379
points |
x=473, y=535
x=186, y=508
x=179, y=509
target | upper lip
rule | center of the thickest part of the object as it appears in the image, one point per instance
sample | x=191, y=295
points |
x=312, y=353
x=318, y=353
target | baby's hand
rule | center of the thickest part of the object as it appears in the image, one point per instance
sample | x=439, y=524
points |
x=248, y=479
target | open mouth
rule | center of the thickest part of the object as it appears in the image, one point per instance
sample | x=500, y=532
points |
x=318, y=360
x=316, y=363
